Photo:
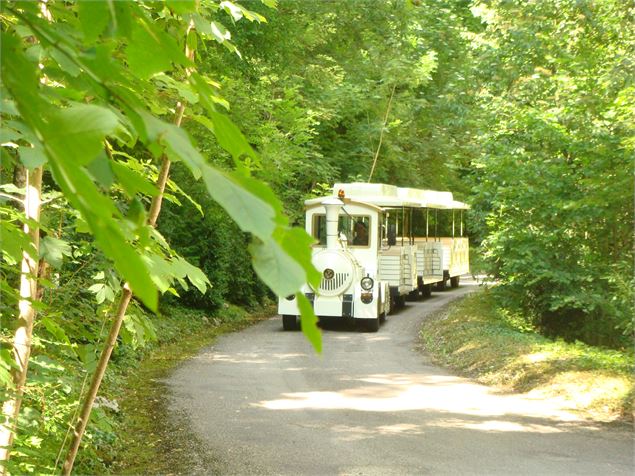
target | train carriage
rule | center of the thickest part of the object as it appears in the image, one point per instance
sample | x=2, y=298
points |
x=375, y=247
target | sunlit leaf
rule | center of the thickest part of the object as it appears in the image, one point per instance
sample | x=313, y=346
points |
x=248, y=209
x=53, y=250
x=131, y=181
x=77, y=132
x=309, y=322
x=94, y=16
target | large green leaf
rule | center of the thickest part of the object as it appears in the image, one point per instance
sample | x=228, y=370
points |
x=32, y=157
x=151, y=50
x=78, y=132
x=283, y=261
x=229, y=136
x=131, y=181
x=144, y=53
x=246, y=207
x=309, y=322
x=173, y=140
x=182, y=6
x=182, y=268
x=94, y=16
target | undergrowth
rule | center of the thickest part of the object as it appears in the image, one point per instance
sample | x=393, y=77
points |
x=496, y=347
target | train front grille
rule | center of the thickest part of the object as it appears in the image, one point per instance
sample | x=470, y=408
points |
x=335, y=283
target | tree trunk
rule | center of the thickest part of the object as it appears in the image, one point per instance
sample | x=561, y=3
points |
x=24, y=331
x=153, y=215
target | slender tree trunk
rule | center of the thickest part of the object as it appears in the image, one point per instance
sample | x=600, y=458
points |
x=381, y=134
x=24, y=331
x=124, y=301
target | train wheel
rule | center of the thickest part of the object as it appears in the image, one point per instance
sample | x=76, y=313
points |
x=440, y=286
x=393, y=297
x=372, y=325
x=426, y=291
x=290, y=323
x=454, y=281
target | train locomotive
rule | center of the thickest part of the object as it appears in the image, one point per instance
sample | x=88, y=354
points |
x=377, y=245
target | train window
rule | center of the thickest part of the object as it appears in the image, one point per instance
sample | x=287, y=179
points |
x=356, y=228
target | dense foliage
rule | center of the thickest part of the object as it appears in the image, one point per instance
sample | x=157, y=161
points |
x=553, y=184
x=524, y=109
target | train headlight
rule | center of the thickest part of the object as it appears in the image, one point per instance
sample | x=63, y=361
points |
x=367, y=283
x=329, y=273
x=290, y=297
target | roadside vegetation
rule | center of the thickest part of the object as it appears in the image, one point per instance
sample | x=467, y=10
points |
x=155, y=440
x=485, y=341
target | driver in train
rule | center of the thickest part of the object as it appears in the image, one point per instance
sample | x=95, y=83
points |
x=361, y=234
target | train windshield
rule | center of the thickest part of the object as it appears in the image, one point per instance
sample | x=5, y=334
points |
x=356, y=228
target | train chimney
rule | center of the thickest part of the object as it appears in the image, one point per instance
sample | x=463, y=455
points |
x=332, y=206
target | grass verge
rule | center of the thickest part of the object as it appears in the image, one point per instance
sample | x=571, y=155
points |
x=151, y=441
x=484, y=342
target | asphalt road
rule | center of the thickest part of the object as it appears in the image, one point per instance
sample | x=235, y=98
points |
x=262, y=402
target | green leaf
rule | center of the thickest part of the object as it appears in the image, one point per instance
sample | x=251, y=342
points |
x=309, y=321
x=232, y=9
x=53, y=250
x=144, y=53
x=297, y=243
x=88, y=355
x=137, y=213
x=78, y=132
x=32, y=157
x=243, y=199
x=175, y=140
x=220, y=33
x=151, y=50
x=54, y=329
x=195, y=275
x=66, y=64
x=102, y=292
x=133, y=182
x=160, y=271
x=94, y=17
x=283, y=262
x=14, y=241
x=207, y=94
x=184, y=89
x=229, y=136
x=182, y=6
x=276, y=268
x=101, y=171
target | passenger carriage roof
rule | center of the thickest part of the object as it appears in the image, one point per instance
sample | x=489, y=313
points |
x=387, y=196
x=316, y=202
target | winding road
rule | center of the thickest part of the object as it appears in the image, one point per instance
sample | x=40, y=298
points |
x=263, y=402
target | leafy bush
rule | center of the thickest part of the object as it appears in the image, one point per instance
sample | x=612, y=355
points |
x=553, y=203
x=209, y=239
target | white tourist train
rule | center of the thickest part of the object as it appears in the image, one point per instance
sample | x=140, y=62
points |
x=375, y=246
